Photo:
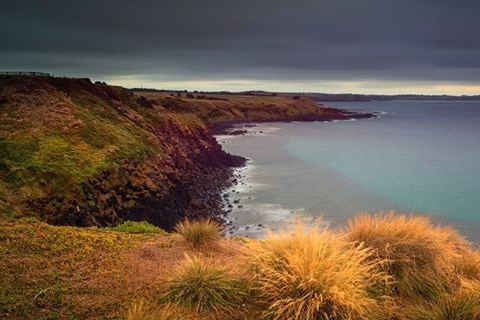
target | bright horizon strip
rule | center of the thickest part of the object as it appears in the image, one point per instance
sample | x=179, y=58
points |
x=356, y=87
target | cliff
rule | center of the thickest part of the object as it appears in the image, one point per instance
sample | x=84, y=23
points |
x=77, y=153
x=221, y=110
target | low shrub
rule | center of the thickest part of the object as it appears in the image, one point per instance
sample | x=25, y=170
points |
x=199, y=233
x=137, y=227
x=419, y=256
x=202, y=286
x=312, y=273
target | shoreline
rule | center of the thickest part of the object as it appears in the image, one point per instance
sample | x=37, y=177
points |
x=242, y=190
x=239, y=127
x=224, y=127
x=465, y=224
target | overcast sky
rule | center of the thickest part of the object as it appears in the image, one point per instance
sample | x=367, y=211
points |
x=364, y=46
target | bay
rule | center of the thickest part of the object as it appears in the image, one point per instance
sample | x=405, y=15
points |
x=419, y=157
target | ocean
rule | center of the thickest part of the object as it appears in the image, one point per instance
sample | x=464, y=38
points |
x=419, y=157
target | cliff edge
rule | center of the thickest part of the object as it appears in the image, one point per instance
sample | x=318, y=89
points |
x=73, y=152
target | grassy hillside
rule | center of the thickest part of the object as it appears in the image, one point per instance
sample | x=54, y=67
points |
x=53, y=142
x=386, y=266
x=73, y=152
x=215, y=108
x=77, y=153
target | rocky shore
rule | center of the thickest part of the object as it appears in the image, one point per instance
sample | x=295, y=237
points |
x=229, y=127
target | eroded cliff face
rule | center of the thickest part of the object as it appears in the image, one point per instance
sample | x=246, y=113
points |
x=78, y=153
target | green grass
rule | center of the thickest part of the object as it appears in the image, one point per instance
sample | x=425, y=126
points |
x=56, y=153
x=48, y=164
x=105, y=128
x=13, y=155
x=199, y=233
x=204, y=286
x=138, y=227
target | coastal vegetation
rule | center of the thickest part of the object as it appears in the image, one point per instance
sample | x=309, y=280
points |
x=381, y=266
x=137, y=227
x=199, y=233
x=313, y=273
x=204, y=286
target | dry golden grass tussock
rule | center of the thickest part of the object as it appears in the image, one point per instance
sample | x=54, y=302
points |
x=468, y=265
x=205, y=286
x=463, y=304
x=419, y=256
x=199, y=233
x=312, y=273
x=140, y=309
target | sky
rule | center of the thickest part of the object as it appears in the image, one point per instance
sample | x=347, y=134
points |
x=336, y=46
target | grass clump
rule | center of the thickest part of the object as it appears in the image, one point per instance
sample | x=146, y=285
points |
x=419, y=256
x=199, y=233
x=468, y=265
x=201, y=286
x=138, y=227
x=464, y=304
x=313, y=273
x=141, y=309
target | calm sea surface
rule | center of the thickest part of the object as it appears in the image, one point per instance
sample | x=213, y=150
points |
x=421, y=157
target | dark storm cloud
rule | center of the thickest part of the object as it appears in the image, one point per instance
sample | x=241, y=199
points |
x=262, y=39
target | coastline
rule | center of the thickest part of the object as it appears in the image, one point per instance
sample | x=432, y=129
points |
x=161, y=163
x=225, y=127
x=271, y=173
x=242, y=188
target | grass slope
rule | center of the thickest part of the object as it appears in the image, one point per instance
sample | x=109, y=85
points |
x=53, y=142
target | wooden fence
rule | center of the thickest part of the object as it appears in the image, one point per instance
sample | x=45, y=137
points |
x=24, y=73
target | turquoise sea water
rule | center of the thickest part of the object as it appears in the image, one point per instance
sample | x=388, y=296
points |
x=419, y=156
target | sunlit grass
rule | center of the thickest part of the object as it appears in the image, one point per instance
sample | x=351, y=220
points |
x=419, y=256
x=141, y=309
x=199, y=233
x=468, y=265
x=204, y=286
x=312, y=273
x=464, y=304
